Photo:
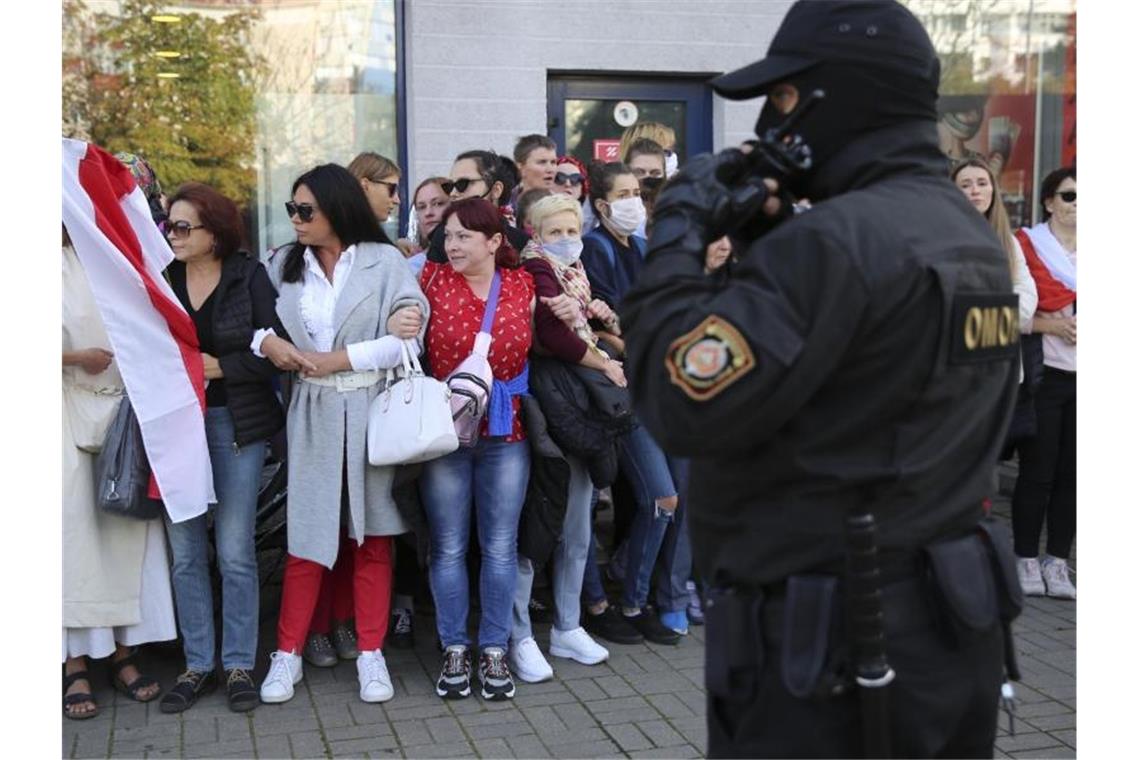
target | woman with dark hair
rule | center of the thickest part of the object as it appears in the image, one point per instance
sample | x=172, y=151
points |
x=612, y=255
x=491, y=476
x=340, y=285
x=1046, y=490
x=487, y=175
x=228, y=295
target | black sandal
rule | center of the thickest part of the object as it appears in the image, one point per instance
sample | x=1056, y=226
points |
x=78, y=698
x=133, y=688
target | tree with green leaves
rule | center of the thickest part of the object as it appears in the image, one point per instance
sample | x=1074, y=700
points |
x=181, y=94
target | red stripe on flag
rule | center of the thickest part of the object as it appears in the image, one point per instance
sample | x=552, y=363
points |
x=106, y=180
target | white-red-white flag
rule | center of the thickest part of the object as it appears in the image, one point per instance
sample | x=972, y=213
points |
x=152, y=336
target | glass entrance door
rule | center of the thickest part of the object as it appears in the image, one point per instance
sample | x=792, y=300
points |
x=587, y=114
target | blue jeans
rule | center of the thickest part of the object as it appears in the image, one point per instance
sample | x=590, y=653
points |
x=675, y=559
x=237, y=477
x=592, y=589
x=569, y=559
x=494, y=476
x=648, y=470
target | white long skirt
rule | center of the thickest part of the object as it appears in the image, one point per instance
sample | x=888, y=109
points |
x=156, y=607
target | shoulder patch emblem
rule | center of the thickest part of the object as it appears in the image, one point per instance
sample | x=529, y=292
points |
x=708, y=358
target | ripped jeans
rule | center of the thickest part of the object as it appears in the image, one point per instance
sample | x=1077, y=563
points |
x=648, y=470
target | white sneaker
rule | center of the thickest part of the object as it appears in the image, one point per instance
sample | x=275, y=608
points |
x=528, y=663
x=375, y=683
x=1057, y=583
x=578, y=646
x=285, y=671
x=1029, y=574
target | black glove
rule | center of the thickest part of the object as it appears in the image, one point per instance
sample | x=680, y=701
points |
x=697, y=207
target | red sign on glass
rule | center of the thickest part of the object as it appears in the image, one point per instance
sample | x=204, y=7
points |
x=607, y=150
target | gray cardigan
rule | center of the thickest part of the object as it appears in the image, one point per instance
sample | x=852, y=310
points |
x=326, y=428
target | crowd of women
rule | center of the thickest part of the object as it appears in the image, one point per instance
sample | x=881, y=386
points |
x=542, y=247
x=537, y=250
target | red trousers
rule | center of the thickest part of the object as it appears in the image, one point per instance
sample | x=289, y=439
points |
x=334, y=604
x=371, y=584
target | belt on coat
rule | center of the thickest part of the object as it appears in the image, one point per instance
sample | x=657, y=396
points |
x=347, y=381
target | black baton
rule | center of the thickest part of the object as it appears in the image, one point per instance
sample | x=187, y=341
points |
x=865, y=612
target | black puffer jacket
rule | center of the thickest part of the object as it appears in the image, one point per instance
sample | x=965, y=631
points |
x=246, y=301
x=585, y=413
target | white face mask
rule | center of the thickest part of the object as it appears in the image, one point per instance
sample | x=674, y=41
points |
x=670, y=164
x=626, y=215
x=565, y=251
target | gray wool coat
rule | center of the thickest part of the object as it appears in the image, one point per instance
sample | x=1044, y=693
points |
x=326, y=428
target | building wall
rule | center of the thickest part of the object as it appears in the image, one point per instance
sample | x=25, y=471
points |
x=477, y=69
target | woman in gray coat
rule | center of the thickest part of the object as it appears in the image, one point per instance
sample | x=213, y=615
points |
x=339, y=288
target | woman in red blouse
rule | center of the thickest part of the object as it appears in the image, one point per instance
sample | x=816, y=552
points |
x=493, y=474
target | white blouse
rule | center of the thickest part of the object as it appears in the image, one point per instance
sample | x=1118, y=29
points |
x=318, y=304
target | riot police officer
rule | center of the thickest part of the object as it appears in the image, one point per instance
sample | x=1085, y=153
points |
x=844, y=396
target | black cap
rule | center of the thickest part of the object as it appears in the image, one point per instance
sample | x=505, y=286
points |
x=874, y=33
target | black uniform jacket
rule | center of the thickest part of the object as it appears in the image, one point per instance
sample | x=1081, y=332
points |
x=858, y=355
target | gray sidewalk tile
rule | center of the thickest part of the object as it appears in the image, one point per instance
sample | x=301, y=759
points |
x=307, y=744
x=604, y=748
x=1027, y=741
x=410, y=732
x=615, y=686
x=628, y=737
x=273, y=747
x=661, y=733
x=682, y=751
x=543, y=719
x=499, y=730
x=384, y=745
x=669, y=706
x=445, y=729
x=1047, y=752
x=454, y=749
x=527, y=746
x=225, y=749
x=493, y=748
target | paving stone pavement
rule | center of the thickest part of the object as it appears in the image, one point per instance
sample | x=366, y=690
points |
x=646, y=701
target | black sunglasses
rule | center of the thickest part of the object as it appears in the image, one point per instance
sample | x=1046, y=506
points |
x=1068, y=196
x=392, y=186
x=562, y=178
x=182, y=229
x=460, y=184
x=303, y=210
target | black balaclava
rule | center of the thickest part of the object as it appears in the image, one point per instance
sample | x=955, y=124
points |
x=857, y=100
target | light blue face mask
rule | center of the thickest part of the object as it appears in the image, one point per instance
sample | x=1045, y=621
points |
x=565, y=251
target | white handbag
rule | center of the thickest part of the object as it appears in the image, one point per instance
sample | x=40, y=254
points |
x=410, y=421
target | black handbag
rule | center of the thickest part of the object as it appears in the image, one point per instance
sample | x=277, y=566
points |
x=122, y=471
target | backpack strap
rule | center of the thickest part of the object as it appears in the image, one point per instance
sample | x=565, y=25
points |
x=597, y=236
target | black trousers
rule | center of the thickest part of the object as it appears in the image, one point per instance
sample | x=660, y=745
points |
x=943, y=703
x=1046, y=490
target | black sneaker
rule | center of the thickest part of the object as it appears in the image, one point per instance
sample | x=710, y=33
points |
x=610, y=625
x=240, y=690
x=402, y=634
x=651, y=627
x=319, y=651
x=186, y=690
x=455, y=678
x=344, y=641
x=494, y=675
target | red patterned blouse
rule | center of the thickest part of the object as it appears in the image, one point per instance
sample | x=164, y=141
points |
x=457, y=313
